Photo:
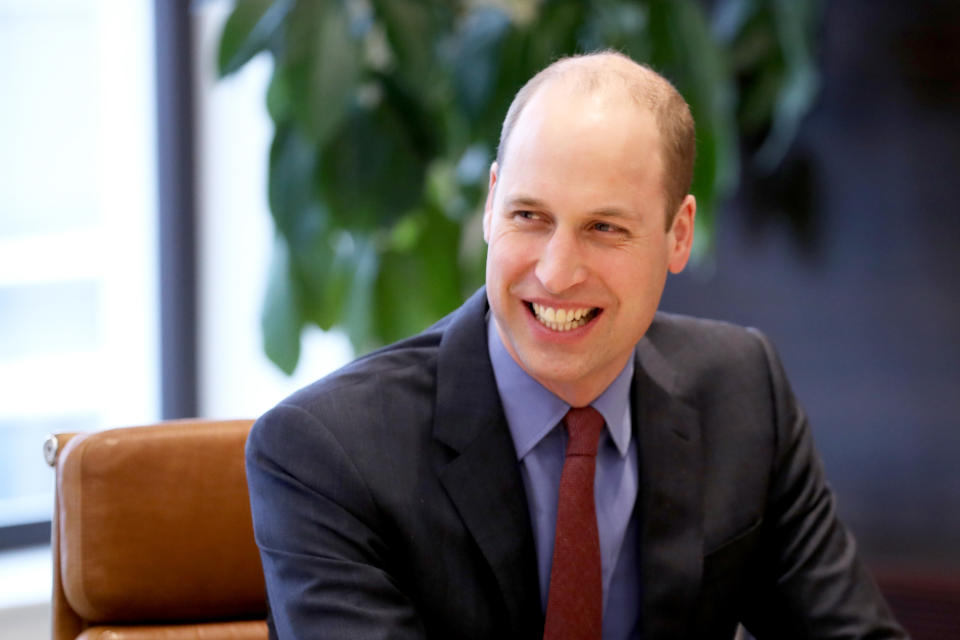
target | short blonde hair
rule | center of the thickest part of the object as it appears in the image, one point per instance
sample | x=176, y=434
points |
x=596, y=71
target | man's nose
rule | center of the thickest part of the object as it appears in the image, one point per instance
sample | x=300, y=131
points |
x=561, y=264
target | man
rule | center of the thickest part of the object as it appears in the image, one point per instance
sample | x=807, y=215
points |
x=441, y=487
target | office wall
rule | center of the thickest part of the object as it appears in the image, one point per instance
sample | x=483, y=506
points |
x=863, y=298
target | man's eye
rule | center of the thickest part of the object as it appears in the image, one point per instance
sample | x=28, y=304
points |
x=605, y=227
x=526, y=215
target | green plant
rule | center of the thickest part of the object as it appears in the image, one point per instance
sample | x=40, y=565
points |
x=387, y=114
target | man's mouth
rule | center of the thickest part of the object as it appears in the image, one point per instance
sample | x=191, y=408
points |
x=562, y=319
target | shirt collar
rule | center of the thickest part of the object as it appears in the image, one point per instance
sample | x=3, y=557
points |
x=532, y=411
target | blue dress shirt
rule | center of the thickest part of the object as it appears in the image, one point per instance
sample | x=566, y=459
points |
x=533, y=414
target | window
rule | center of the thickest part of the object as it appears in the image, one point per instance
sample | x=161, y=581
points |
x=78, y=310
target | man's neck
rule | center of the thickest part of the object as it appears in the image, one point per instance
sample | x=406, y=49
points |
x=580, y=394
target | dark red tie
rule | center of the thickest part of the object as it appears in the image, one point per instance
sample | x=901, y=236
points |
x=575, y=603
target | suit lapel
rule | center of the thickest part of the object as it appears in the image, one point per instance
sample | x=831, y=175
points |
x=671, y=496
x=483, y=478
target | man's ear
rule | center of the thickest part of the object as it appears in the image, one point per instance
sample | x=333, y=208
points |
x=488, y=207
x=680, y=235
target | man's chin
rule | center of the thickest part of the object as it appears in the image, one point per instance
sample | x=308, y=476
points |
x=552, y=369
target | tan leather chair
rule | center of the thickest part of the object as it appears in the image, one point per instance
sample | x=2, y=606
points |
x=152, y=536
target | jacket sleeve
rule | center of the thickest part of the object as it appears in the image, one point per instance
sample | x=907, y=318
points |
x=812, y=583
x=326, y=566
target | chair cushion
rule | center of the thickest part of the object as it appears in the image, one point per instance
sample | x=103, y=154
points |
x=154, y=524
x=247, y=630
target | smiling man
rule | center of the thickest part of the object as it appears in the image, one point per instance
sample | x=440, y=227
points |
x=556, y=458
x=579, y=221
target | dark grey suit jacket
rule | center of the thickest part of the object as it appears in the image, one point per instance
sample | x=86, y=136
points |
x=388, y=503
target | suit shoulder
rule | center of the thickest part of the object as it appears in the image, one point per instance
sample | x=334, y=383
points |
x=712, y=352
x=672, y=331
x=400, y=372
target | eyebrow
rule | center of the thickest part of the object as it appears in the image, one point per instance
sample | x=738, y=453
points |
x=535, y=203
x=526, y=201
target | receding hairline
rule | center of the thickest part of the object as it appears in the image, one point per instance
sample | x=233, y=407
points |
x=604, y=71
x=610, y=72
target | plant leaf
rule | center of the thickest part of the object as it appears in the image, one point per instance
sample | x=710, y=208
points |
x=328, y=262
x=249, y=29
x=430, y=261
x=729, y=17
x=360, y=313
x=281, y=320
x=476, y=66
x=280, y=97
x=683, y=48
x=556, y=33
x=291, y=190
x=413, y=29
x=372, y=172
x=322, y=63
x=794, y=24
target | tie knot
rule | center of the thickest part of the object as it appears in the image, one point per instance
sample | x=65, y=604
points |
x=584, y=425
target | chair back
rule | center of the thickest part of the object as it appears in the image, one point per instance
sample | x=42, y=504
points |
x=152, y=535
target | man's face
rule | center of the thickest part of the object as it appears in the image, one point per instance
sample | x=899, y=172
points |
x=578, y=251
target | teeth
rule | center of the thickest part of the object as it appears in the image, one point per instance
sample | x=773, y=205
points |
x=561, y=319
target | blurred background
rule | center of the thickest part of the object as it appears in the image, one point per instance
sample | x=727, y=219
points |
x=136, y=242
